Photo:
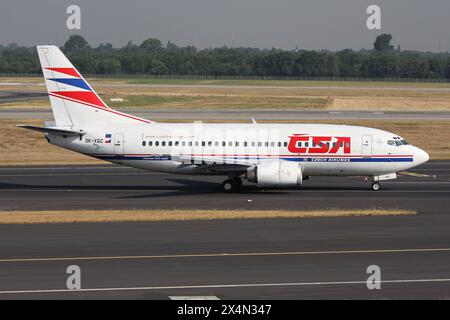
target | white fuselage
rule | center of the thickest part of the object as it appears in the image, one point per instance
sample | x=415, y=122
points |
x=267, y=154
x=181, y=147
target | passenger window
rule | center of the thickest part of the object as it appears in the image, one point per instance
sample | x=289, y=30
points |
x=163, y=143
x=230, y=144
x=279, y=144
x=143, y=143
x=209, y=143
x=223, y=144
x=237, y=143
x=150, y=143
x=216, y=143
x=299, y=144
x=245, y=143
x=183, y=143
x=176, y=143
x=169, y=143
x=253, y=143
x=285, y=144
x=259, y=144
x=306, y=144
x=190, y=143
x=156, y=143
x=272, y=144
x=196, y=143
x=203, y=143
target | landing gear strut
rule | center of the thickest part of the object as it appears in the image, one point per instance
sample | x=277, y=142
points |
x=232, y=184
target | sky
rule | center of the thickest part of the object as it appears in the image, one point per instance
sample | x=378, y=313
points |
x=286, y=24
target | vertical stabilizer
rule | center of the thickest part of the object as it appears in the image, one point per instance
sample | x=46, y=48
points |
x=74, y=102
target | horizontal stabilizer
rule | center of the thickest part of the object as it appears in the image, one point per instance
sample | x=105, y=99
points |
x=57, y=131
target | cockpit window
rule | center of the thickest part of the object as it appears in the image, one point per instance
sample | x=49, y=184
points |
x=391, y=142
x=404, y=142
x=398, y=143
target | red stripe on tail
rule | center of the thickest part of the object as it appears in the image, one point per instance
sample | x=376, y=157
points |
x=83, y=96
x=69, y=71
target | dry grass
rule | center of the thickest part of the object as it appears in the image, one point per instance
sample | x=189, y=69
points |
x=260, y=94
x=34, y=217
x=24, y=147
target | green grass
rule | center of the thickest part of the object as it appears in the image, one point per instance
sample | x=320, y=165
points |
x=216, y=102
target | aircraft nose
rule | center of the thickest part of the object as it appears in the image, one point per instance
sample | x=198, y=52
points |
x=420, y=157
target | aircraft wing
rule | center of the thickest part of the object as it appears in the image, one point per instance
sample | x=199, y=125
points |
x=56, y=131
x=217, y=160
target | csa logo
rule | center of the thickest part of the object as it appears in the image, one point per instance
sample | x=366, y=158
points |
x=302, y=143
x=108, y=138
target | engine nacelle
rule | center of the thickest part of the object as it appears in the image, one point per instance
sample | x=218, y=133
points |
x=276, y=173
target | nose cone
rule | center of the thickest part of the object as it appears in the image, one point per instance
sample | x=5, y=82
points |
x=420, y=157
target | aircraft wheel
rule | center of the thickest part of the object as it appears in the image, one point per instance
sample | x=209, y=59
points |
x=375, y=186
x=228, y=185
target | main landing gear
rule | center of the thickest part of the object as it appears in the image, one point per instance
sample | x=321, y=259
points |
x=232, y=184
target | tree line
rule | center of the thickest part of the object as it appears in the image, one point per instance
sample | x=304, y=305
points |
x=151, y=57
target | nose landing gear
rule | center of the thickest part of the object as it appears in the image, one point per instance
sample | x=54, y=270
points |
x=375, y=186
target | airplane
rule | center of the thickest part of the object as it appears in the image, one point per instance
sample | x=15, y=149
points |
x=270, y=155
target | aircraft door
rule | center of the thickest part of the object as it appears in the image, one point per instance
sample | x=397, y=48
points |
x=118, y=144
x=366, y=148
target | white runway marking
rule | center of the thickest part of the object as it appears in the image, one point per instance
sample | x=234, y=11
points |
x=242, y=254
x=193, y=298
x=224, y=286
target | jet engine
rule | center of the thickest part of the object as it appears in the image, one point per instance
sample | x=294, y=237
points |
x=280, y=173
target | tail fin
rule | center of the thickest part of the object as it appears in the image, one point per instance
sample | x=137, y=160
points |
x=74, y=102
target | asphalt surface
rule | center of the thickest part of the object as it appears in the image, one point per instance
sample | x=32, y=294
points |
x=13, y=96
x=108, y=186
x=266, y=258
x=228, y=115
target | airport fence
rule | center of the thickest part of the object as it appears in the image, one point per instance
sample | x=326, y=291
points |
x=218, y=77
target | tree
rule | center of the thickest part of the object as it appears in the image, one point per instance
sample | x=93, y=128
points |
x=75, y=43
x=109, y=66
x=383, y=43
x=152, y=45
x=349, y=63
x=447, y=72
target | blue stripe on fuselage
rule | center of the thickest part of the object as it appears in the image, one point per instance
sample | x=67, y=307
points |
x=301, y=159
